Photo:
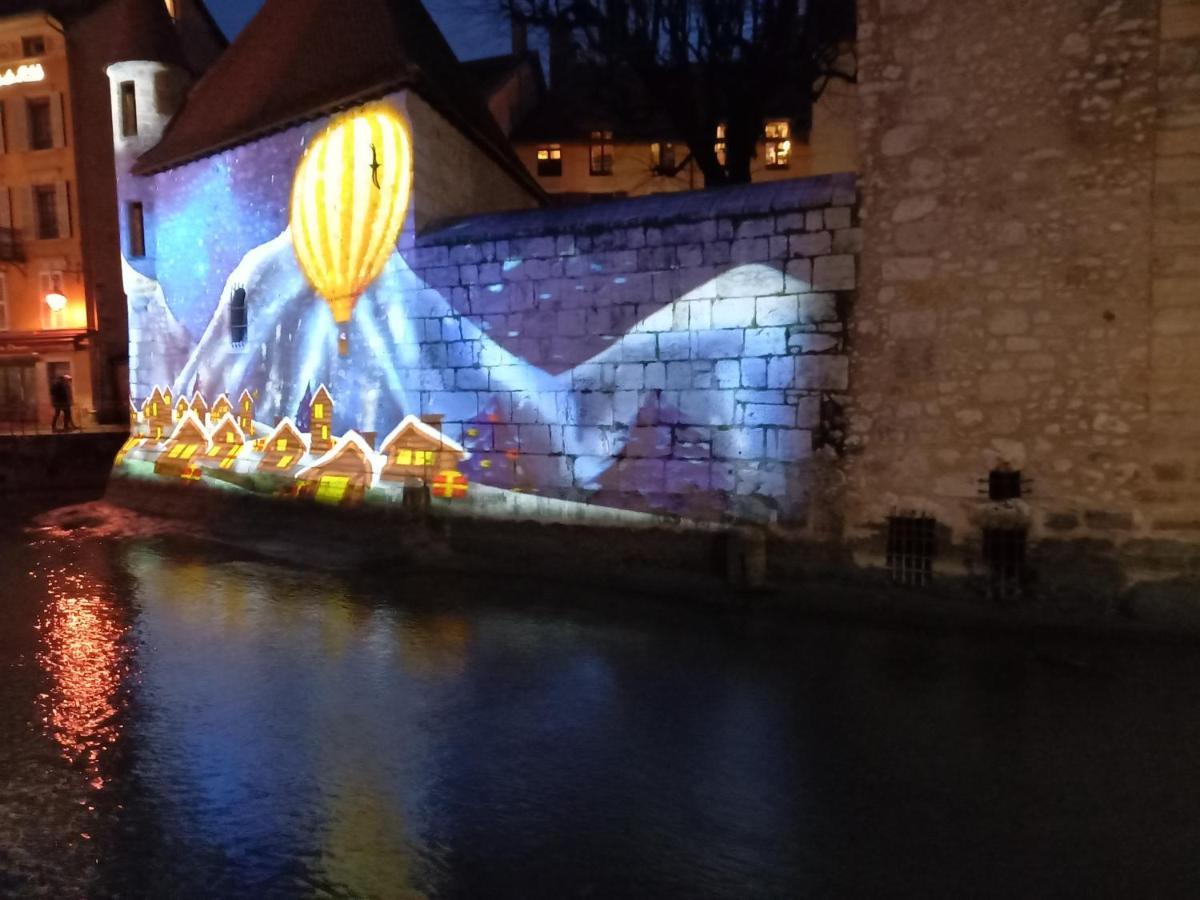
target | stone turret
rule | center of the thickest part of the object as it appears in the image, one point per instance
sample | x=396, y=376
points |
x=148, y=81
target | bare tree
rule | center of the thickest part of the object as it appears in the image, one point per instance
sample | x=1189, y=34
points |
x=707, y=62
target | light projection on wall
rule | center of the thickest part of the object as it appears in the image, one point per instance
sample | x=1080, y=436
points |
x=349, y=198
x=555, y=375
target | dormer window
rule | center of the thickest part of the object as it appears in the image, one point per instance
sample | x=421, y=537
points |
x=662, y=158
x=600, y=158
x=35, y=45
x=549, y=160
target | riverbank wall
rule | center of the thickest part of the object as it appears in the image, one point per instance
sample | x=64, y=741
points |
x=68, y=462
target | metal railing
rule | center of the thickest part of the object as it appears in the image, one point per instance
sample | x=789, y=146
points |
x=32, y=418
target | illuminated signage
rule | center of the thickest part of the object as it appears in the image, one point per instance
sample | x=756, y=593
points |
x=22, y=75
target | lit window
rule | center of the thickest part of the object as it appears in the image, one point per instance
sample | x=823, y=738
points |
x=41, y=126
x=153, y=410
x=403, y=457
x=33, y=46
x=332, y=488
x=137, y=231
x=285, y=462
x=600, y=158
x=549, y=160
x=719, y=144
x=227, y=463
x=214, y=450
x=281, y=444
x=662, y=158
x=189, y=451
x=129, y=122
x=779, y=143
x=45, y=210
x=324, y=432
x=175, y=451
x=230, y=437
x=318, y=410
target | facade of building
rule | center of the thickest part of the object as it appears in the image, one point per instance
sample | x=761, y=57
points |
x=61, y=302
x=578, y=147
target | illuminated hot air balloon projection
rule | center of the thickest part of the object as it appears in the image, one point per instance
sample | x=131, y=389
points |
x=349, y=198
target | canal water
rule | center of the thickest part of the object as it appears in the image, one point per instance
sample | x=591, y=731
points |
x=183, y=720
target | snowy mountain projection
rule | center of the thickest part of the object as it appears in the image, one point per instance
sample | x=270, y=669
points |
x=223, y=224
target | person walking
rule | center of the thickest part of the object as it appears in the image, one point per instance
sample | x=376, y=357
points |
x=62, y=397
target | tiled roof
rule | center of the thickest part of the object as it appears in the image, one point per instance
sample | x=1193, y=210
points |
x=301, y=59
x=142, y=30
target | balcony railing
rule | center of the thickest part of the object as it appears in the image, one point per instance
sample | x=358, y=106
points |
x=10, y=246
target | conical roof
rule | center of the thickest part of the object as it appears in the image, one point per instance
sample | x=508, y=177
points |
x=301, y=59
x=142, y=30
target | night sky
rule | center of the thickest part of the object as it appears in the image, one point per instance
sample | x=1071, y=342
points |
x=474, y=28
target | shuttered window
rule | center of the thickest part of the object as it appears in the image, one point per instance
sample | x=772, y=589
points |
x=129, y=124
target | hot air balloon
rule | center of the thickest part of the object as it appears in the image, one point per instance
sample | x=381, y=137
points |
x=349, y=198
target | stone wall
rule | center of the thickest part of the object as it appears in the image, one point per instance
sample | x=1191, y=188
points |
x=1016, y=159
x=688, y=343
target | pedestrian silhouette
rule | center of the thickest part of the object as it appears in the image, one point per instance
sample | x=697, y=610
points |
x=62, y=397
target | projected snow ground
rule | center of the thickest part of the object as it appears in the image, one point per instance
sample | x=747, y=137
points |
x=515, y=368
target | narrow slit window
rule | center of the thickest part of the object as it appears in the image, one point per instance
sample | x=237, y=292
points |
x=129, y=121
x=137, y=231
x=1004, y=484
x=549, y=160
x=238, y=318
x=719, y=145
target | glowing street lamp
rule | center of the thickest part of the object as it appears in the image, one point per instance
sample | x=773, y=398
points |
x=57, y=302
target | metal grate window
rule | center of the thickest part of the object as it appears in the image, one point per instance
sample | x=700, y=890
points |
x=1004, y=555
x=910, y=549
x=1004, y=484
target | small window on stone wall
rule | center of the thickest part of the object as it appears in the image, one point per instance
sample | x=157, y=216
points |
x=910, y=549
x=1004, y=484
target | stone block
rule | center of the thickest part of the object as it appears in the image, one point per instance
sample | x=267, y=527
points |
x=837, y=217
x=534, y=439
x=762, y=414
x=727, y=374
x=817, y=308
x=765, y=341
x=683, y=476
x=823, y=373
x=579, y=441
x=781, y=372
x=778, y=310
x=834, y=273
x=754, y=373
x=753, y=280
x=471, y=379
x=718, y=344
x=674, y=345
x=639, y=348
x=817, y=243
x=705, y=407
x=736, y=312
x=907, y=268
x=641, y=475
x=649, y=442
x=594, y=408
x=738, y=443
x=631, y=375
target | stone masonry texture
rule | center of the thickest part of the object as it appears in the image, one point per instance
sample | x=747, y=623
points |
x=1029, y=292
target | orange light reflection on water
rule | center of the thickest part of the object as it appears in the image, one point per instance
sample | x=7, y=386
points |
x=84, y=653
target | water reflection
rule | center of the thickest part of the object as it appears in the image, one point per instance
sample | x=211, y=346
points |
x=85, y=654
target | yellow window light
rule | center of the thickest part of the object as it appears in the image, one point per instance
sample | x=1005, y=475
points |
x=318, y=410
x=404, y=457
x=284, y=462
x=281, y=444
